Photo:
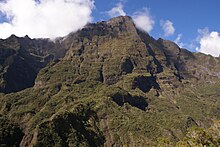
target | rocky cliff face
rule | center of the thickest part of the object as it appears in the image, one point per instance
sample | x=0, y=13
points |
x=107, y=51
x=111, y=85
x=22, y=58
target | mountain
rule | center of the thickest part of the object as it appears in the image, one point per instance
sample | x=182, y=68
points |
x=25, y=57
x=108, y=84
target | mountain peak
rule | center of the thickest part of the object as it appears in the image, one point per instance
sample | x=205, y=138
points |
x=125, y=22
x=120, y=19
x=12, y=37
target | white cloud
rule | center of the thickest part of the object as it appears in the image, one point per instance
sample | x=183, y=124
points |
x=116, y=11
x=178, y=40
x=190, y=45
x=143, y=20
x=44, y=18
x=167, y=27
x=209, y=42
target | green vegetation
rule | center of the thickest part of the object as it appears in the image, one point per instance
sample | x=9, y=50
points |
x=116, y=86
x=10, y=134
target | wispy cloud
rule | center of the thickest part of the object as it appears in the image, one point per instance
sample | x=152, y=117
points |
x=143, y=20
x=209, y=42
x=178, y=40
x=188, y=45
x=167, y=27
x=116, y=11
x=44, y=18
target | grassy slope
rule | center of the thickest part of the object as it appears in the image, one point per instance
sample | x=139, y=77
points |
x=165, y=117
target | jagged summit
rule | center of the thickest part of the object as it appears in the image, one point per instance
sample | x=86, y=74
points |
x=120, y=20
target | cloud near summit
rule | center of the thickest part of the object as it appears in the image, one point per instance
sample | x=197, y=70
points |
x=209, y=42
x=44, y=18
x=116, y=11
x=143, y=20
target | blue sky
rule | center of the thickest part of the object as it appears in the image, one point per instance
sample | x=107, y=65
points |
x=195, y=23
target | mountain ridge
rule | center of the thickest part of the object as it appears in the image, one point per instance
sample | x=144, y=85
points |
x=115, y=85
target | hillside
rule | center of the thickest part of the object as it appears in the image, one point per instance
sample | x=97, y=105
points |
x=108, y=84
x=25, y=57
